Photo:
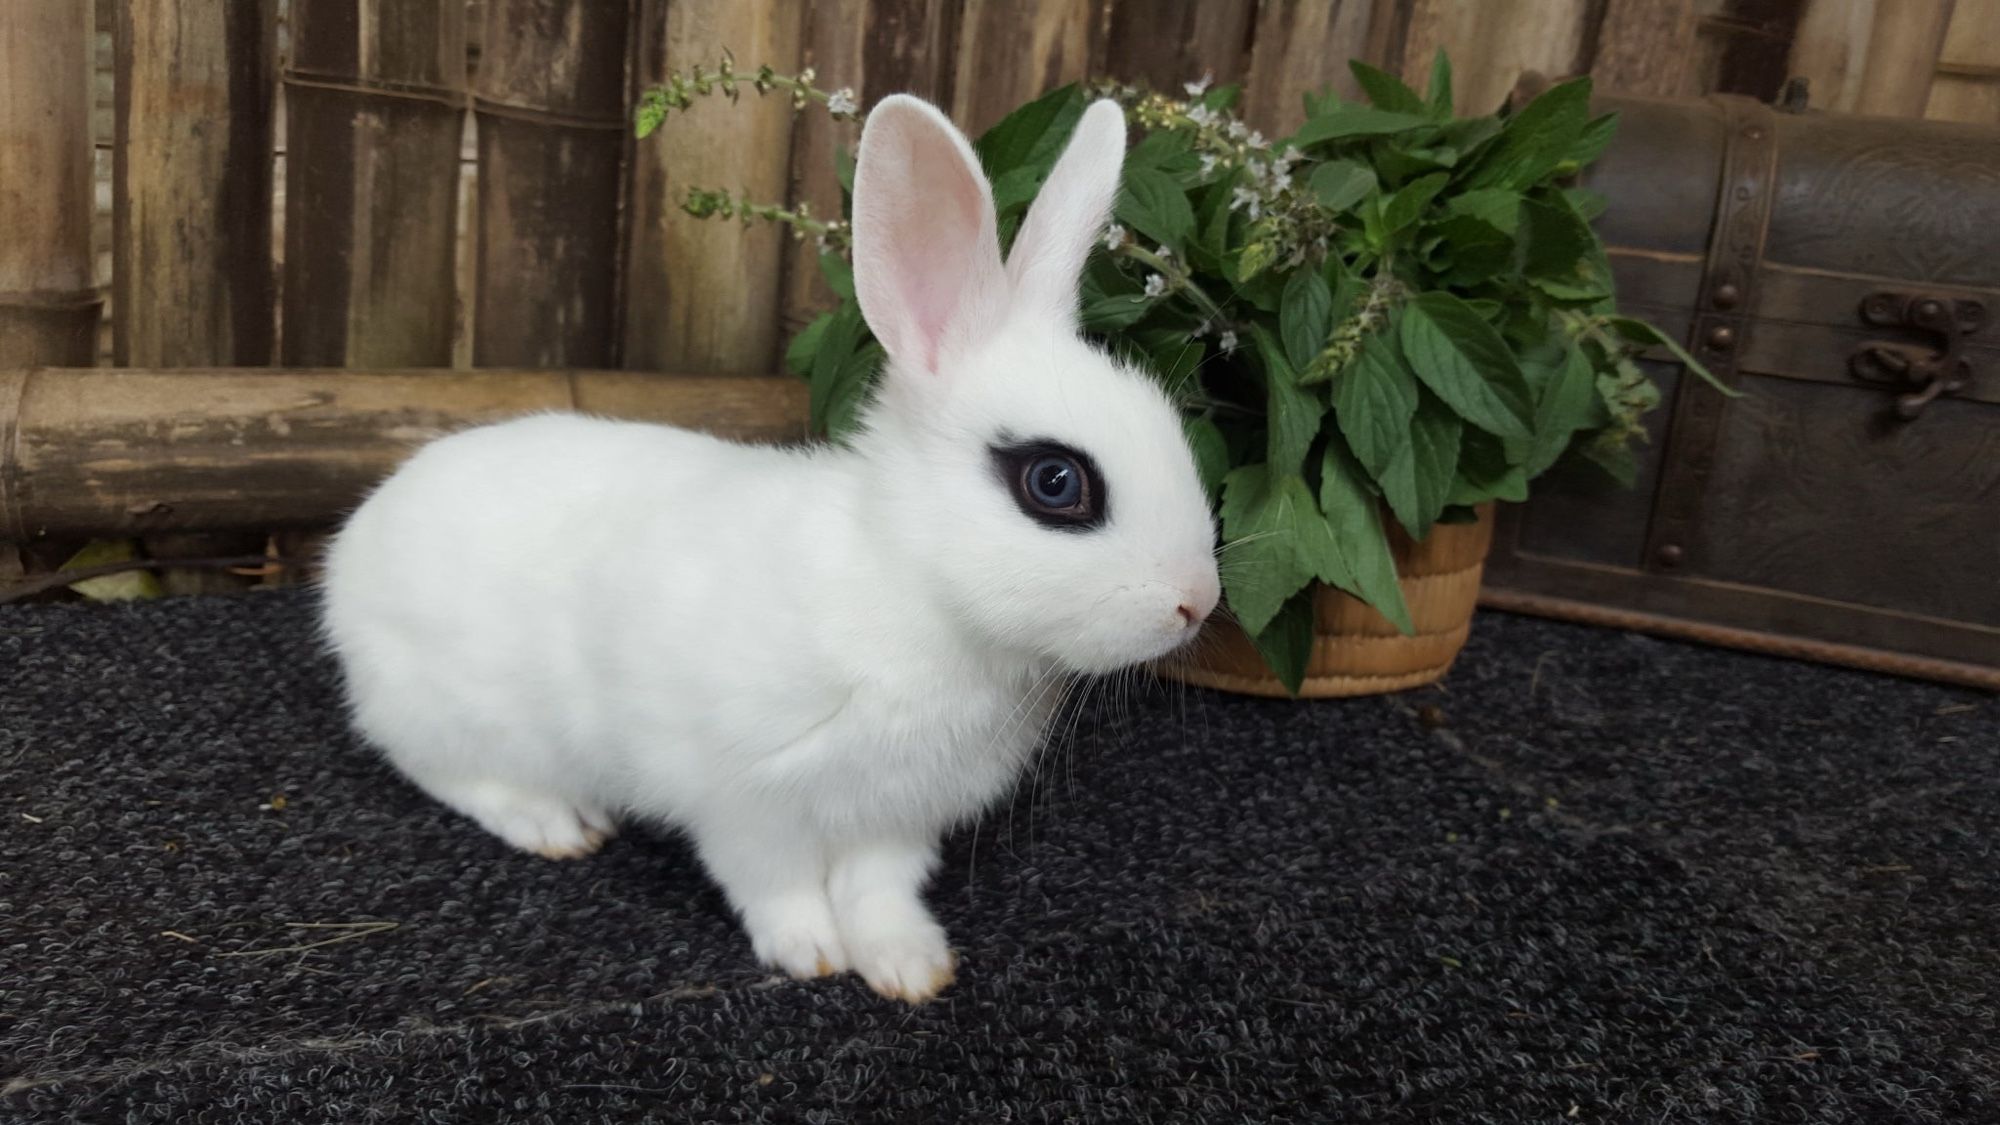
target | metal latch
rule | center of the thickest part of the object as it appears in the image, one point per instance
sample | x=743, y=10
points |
x=1926, y=374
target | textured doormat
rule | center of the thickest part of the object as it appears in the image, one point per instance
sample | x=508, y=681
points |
x=1593, y=878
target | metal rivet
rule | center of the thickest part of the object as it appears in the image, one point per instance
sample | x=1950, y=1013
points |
x=1722, y=338
x=1930, y=310
x=1754, y=132
x=1726, y=295
x=1670, y=554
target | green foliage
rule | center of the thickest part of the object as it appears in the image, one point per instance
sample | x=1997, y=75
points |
x=1392, y=313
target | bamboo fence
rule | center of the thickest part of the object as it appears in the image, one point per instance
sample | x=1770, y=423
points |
x=459, y=188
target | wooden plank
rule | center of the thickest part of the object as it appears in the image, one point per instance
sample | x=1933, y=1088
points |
x=142, y=451
x=191, y=183
x=702, y=294
x=1492, y=44
x=191, y=208
x=1299, y=46
x=1009, y=53
x=1164, y=43
x=875, y=48
x=1967, y=86
x=551, y=112
x=1870, y=56
x=48, y=295
x=375, y=104
x=1647, y=47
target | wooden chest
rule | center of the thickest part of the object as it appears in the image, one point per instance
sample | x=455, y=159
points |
x=1843, y=274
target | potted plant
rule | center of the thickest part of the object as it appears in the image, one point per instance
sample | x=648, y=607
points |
x=1376, y=327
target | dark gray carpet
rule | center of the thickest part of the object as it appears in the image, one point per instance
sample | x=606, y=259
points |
x=1599, y=879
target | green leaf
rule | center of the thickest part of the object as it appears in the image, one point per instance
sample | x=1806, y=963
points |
x=1356, y=522
x=839, y=274
x=1614, y=457
x=1463, y=360
x=1407, y=205
x=843, y=168
x=1294, y=413
x=1560, y=253
x=1156, y=149
x=1373, y=402
x=837, y=344
x=1211, y=452
x=1155, y=205
x=1562, y=408
x=1015, y=189
x=804, y=346
x=1037, y=129
x=134, y=585
x=1340, y=184
x=1595, y=138
x=1262, y=515
x=850, y=391
x=1440, y=90
x=1386, y=90
x=1304, y=316
x=1286, y=643
x=1498, y=208
x=1484, y=472
x=1537, y=139
x=1354, y=121
x=1640, y=332
x=1108, y=313
x=1418, y=480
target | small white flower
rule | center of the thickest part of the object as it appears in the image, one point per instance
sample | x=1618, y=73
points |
x=1163, y=253
x=1208, y=162
x=1202, y=329
x=1246, y=199
x=1201, y=115
x=1238, y=130
x=1156, y=286
x=1197, y=89
x=1115, y=237
x=842, y=103
x=1255, y=139
x=820, y=241
x=1227, y=340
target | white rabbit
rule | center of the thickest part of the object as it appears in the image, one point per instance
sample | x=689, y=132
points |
x=813, y=661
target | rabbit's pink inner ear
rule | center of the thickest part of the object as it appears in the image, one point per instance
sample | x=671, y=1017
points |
x=926, y=256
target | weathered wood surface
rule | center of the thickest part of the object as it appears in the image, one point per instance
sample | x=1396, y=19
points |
x=48, y=296
x=191, y=183
x=1967, y=85
x=1491, y=44
x=139, y=451
x=702, y=294
x=1873, y=57
x=551, y=110
x=375, y=100
x=1647, y=47
x=1302, y=45
x=1011, y=51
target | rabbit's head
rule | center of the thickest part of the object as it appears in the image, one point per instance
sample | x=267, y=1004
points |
x=1040, y=488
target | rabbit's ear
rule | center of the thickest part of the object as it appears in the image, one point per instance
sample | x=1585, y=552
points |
x=926, y=254
x=1068, y=216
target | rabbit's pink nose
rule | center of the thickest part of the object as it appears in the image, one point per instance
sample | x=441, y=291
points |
x=1191, y=615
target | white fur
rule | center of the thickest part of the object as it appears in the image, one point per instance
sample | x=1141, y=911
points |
x=813, y=661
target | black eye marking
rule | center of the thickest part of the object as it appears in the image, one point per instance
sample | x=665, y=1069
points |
x=1053, y=484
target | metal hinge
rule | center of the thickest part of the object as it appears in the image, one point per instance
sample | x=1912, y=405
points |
x=1922, y=374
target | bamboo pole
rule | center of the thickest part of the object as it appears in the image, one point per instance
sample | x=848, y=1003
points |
x=191, y=208
x=1967, y=87
x=1302, y=46
x=1871, y=57
x=550, y=106
x=876, y=48
x=375, y=105
x=702, y=294
x=1647, y=47
x=1164, y=43
x=49, y=303
x=1492, y=44
x=126, y=452
x=1009, y=53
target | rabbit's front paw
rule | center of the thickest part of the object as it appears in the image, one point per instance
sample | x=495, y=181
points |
x=902, y=955
x=798, y=936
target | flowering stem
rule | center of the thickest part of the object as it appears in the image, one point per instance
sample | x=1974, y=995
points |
x=680, y=90
x=706, y=204
x=1177, y=277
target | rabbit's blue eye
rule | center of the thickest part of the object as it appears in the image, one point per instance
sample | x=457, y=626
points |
x=1054, y=485
x=1055, y=481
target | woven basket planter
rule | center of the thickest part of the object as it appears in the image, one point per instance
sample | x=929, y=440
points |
x=1356, y=651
